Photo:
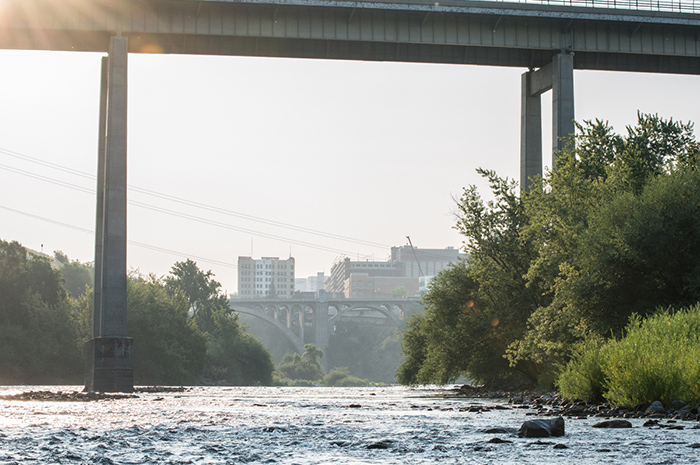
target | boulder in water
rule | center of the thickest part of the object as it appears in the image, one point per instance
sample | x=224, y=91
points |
x=542, y=428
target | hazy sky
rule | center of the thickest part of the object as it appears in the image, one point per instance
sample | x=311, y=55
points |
x=231, y=156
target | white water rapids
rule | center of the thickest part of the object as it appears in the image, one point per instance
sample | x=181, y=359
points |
x=304, y=426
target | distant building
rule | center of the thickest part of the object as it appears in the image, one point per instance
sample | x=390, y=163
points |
x=265, y=277
x=310, y=284
x=403, y=269
x=362, y=285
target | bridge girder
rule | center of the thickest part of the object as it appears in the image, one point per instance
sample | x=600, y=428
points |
x=480, y=33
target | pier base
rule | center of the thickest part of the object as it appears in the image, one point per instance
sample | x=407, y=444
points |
x=109, y=364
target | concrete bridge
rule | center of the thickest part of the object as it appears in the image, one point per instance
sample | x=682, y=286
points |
x=548, y=39
x=303, y=321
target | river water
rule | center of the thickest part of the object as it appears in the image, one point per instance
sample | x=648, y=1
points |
x=386, y=425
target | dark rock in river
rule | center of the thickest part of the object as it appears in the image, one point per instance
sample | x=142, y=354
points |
x=383, y=444
x=613, y=424
x=655, y=408
x=498, y=441
x=542, y=428
x=498, y=431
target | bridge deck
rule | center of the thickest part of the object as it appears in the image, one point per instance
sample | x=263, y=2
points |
x=486, y=33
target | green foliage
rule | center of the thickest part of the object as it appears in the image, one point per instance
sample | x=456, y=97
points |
x=341, y=377
x=656, y=359
x=583, y=378
x=37, y=338
x=616, y=230
x=367, y=350
x=613, y=231
x=77, y=277
x=202, y=291
x=169, y=349
x=305, y=367
x=237, y=357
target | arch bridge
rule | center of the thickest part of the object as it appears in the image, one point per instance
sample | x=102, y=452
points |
x=313, y=320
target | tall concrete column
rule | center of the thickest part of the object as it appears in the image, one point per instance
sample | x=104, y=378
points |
x=562, y=101
x=530, y=132
x=557, y=76
x=110, y=352
x=99, y=209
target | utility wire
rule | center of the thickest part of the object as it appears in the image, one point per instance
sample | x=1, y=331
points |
x=184, y=215
x=197, y=204
x=138, y=244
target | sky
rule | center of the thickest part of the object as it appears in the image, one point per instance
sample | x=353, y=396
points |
x=316, y=159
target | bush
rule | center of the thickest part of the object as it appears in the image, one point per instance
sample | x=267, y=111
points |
x=656, y=359
x=341, y=377
x=583, y=378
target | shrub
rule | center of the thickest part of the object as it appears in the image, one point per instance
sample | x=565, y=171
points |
x=656, y=359
x=583, y=378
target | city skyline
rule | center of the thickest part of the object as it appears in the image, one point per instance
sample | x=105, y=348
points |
x=306, y=158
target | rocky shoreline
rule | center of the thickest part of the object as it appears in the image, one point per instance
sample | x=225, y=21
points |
x=79, y=396
x=550, y=404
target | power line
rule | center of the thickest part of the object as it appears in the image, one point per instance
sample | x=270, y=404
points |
x=195, y=204
x=135, y=243
x=185, y=215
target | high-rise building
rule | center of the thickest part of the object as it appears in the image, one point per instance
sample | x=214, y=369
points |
x=265, y=277
x=406, y=262
x=310, y=284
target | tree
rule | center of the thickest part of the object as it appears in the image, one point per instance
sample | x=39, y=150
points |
x=235, y=356
x=303, y=367
x=37, y=336
x=169, y=347
x=202, y=291
x=614, y=230
x=616, y=233
x=77, y=276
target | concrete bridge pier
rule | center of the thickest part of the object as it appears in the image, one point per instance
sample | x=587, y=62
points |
x=321, y=330
x=557, y=76
x=109, y=354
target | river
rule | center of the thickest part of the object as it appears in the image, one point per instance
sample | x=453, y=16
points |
x=304, y=426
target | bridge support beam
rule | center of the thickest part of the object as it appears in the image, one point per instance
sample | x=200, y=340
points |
x=109, y=354
x=321, y=330
x=557, y=76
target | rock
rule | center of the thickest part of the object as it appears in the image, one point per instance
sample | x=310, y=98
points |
x=655, y=408
x=561, y=446
x=542, y=428
x=498, y=431
x=678, y=405
x=498, y=441
x=383, y=444
x=613, y=424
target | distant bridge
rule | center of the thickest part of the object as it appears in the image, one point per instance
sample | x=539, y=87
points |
x=312, y=320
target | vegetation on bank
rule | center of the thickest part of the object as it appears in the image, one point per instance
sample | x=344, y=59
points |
x=306, y=370
x=557, y=272
x=655, y=359
x=183, y=329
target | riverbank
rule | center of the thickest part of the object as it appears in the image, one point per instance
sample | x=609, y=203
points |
x=551, y=404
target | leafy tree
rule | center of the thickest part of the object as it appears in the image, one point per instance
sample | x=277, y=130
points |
x=78, y=277
x=615, y=230
x=237, y=358
x=37, y=338
x=303, y=367
x=616, y=233
x=203, y=293
x=169, y=347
